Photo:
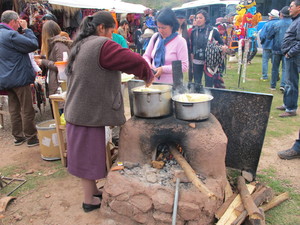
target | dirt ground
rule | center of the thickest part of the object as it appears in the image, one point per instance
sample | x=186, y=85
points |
x=58, y=201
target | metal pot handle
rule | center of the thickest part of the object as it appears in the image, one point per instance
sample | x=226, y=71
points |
x=148, y=97
x=187, y=104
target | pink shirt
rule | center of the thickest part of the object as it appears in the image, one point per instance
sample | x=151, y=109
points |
x=175, y=50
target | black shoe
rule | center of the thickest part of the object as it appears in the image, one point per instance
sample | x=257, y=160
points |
x=33, y=142
x=288, y=154
x=20, y=141
x=89, y=207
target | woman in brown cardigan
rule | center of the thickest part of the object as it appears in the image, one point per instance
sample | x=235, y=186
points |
x=94, y=99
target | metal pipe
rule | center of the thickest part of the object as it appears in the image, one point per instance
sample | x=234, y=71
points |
x=175, y=202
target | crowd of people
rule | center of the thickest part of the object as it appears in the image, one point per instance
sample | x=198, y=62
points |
x=96, y=57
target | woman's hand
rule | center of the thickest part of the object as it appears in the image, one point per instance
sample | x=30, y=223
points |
x=149, y=83
x=158, y=71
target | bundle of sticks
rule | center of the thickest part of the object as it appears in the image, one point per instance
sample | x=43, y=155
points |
x=249, y=204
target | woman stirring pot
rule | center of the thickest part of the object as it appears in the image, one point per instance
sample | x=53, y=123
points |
x=94, y=99
x=166, y=46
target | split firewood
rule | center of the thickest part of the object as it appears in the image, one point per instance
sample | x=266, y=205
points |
x=276, y=201
x=252, y=209
x=231, y=213
x=261, y=195
x=190, y=173
x=157, y=164
x=228, y=190
x=160, y=157
x=4, y=202
x=220, y=212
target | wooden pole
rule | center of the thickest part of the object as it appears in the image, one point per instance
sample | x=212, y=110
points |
x=252, y=209
x=262, y=194
x=190, y=173
x=276, y=201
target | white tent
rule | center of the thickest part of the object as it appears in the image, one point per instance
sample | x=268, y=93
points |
x=116, y=5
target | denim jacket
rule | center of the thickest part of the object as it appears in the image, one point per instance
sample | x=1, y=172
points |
x=15, y=65
x=266, y=43
x=291, y=40
x=277, y=32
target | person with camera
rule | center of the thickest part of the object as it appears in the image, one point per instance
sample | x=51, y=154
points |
x=199, y=40
x=16, y=75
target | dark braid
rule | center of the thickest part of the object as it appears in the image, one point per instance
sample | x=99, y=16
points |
x=88, y=27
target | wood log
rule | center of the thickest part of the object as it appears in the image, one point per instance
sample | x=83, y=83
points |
x=247, y=200
x=262, y=194
x=254, y=221
x=231, y=213
x=276, y=201
x=228, y=190
x=190, y=173
x=220, y=212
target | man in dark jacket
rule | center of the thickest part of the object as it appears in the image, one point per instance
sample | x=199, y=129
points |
x=16, y=75
x=276, y=33
x=291, y=49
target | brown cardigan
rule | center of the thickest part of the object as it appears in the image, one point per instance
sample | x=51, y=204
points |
x=94, y=94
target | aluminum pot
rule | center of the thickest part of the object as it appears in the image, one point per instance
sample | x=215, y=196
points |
x=153, y=102
x=195, y=108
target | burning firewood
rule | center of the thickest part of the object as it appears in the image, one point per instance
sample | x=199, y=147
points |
x=157, y=164
x=190, y=173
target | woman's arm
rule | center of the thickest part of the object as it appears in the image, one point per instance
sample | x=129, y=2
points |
x=148, y=52
x=114, y=57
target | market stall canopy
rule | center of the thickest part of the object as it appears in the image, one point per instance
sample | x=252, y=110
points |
x=116, y=5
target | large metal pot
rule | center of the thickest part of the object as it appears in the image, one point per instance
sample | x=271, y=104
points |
x=192, y=106
x=153, y=102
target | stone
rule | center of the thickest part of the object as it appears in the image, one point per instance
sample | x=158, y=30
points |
x=121, y=207
x=161, y=217
x=163, y=201
x=142, y=202
x=188, y=211
x=151, y=178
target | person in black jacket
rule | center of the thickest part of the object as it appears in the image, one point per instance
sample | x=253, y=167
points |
x=16, y=75
x=291, y=49
x=199, y=40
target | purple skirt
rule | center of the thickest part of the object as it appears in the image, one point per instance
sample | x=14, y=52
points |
x=86, y=151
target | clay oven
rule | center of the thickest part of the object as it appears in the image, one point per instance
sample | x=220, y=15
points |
x=141, y=194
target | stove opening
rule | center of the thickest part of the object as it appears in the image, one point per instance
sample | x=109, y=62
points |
x=162, y=156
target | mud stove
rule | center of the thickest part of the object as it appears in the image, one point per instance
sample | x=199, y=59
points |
x=141, y=194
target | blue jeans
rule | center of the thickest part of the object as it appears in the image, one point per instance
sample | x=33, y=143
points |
x=290, y=97
x=276, y=58
x=267, y=54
